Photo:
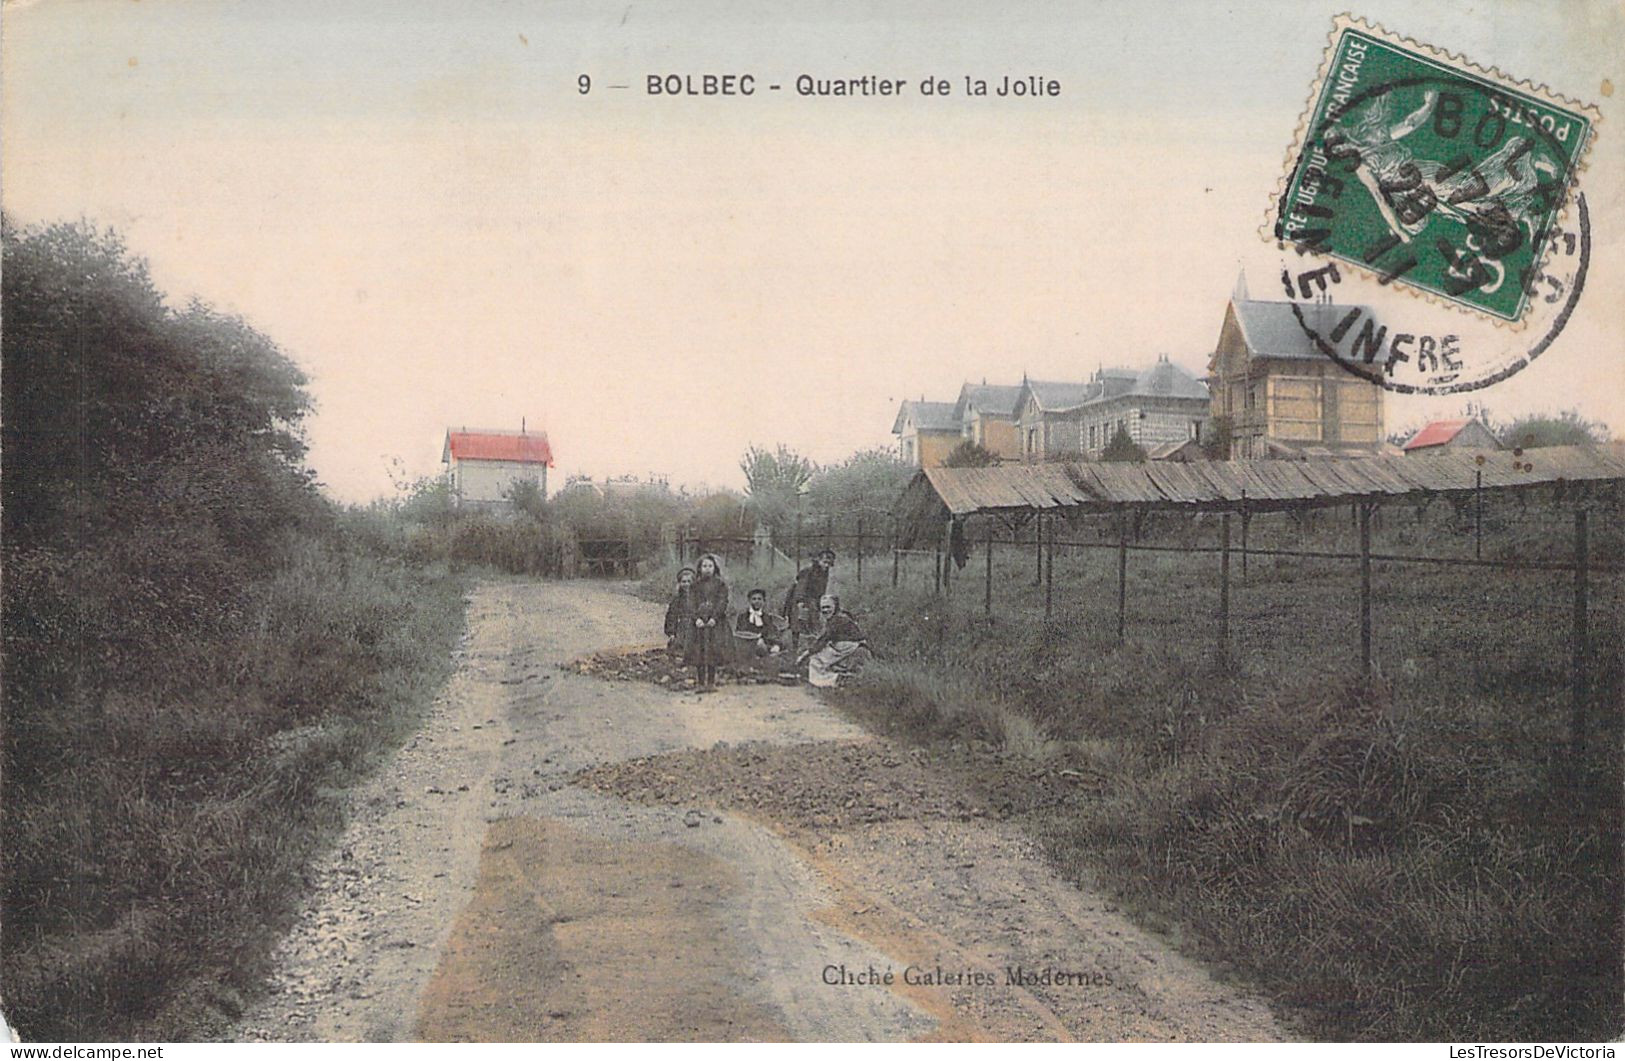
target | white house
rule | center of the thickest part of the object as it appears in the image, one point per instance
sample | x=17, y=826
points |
x=482, y=466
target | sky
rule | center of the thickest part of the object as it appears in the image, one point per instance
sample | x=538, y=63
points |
x=418, y=203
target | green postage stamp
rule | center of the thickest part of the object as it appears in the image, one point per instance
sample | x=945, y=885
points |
x=1430, y=173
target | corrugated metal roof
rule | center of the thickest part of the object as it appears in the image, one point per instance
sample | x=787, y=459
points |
x=1262, y=484
x=524, y=447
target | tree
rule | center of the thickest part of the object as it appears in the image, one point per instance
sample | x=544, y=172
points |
x=1567, y=428
x=1122, y=448
x=525, y=495
x=865, y=484
x=1217, y=438
x=969, y=454
x=774, y=480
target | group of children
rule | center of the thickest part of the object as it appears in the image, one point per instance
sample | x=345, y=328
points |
x=697, y=627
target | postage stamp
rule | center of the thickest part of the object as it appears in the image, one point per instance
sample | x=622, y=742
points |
x=1422, y=171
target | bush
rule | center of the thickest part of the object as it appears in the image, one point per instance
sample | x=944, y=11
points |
x=197, y=644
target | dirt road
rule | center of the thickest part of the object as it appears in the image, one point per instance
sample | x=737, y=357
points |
x=559, y=857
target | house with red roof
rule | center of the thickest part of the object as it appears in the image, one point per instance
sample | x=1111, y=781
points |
x=1442, y=435
x=483, y=465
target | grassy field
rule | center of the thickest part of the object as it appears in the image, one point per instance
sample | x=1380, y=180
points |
x=1409, y=856
x=154, y=860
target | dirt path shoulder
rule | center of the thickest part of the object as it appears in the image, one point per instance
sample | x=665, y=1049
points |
x=556, y=857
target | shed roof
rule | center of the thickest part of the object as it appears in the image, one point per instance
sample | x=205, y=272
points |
x=524, y=447
x=1260, y=484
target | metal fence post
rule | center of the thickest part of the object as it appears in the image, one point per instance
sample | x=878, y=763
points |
x=1246, y=518
x=1478, y=514
x=1122, y=577
x=1038, y=550
x=1582, y=676
x=936, y=569
x=987, y=593
x=1365, y=587
x=1224, y=580
x=1049, y=572
x=829, y=530
x=860, y=552
x=896, y=555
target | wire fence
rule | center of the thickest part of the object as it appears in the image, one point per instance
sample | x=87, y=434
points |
x=1506, y=585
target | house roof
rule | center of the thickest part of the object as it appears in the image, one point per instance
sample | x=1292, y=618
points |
x=995, y=398
x=1167, y=380
x=1437, y=433
x=927, y=416
x=1274, y=329
x=1055, y=397
x=521, y=446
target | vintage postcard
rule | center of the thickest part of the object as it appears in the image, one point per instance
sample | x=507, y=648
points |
x=841, y=522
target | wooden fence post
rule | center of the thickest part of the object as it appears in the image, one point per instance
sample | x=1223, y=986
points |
x=829, y=530
x=1224, y=580
x=798, y=541
x=1582, y=657
x=937, y=569
x=1122, y=577
x=860, y=552
x=1365, y=587
x=987, y=593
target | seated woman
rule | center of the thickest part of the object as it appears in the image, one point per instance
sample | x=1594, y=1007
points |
x=758, y=633
x=679, y=615
x=841, y=648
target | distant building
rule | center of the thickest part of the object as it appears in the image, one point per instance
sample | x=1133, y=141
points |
x=1047, y=416
x=1280, y=395
x=482, y=466
x=1466, y=433
x=1159, y=405
x=926, y=432
x=987, y=416
x=1178, y=452
x=1156, y=405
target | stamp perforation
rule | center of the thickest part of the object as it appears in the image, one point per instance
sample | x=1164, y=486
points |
x=1458, y=63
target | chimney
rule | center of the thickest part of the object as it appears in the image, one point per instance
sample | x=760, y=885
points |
x=521, y=425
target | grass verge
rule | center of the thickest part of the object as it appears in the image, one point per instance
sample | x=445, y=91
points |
x=1407, y=856
x=155, y=847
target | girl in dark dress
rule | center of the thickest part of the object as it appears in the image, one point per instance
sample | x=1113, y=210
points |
x=679, y=615
x=708, y=600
